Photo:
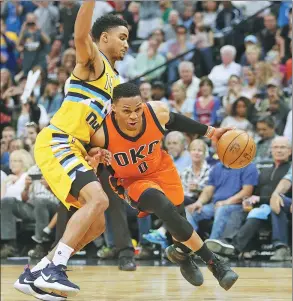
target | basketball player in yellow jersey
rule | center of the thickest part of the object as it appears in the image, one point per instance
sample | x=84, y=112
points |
x=59, y=150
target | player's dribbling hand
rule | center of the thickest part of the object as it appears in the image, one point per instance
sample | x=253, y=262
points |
x=219, y=132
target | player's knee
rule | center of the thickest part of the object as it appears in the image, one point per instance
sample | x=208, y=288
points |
x=99, y=201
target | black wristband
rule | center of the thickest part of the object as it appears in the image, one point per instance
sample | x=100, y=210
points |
x=181, y=123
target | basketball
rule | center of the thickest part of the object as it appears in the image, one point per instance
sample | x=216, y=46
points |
x=236, y=149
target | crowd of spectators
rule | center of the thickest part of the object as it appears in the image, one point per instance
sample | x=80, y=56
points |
x=234, y=69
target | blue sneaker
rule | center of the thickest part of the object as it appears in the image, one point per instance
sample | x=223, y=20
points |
x=25, y=285
x=53, y=279
x=156, y=238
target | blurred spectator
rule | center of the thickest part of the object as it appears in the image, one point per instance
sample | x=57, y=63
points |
x=47, y=18
x=54, y=57
x=8, y=134
x=283, y=18
x=281, y=207
x=195, y=177
x=253, y=54
x=228, y=16
x=158, y=35
x=249, y=88
x=233, y=93
x=149, y=18
x=68, y=60
x=289, y=69
x=41, y=205
x=158, y=91
x=237, y=238
x=264, y=73
x=68, y=15
x=171, y=26
x=51, y=99
x=288, y=128
x=265, y=128
x=175, y=144
x=32, y=43
x=147, y=61
x=210, y=13
x=273, y=57
x=267, y=36
x=220, y=74
x=7, y=91
x=175, y=47
x=202, y=37
x=101, y=8
x=62, y=76
x=207, y=106
x=166, y=8
x=179, y=103
x=31, y=132
x=145, y=89
x=286, y=35
x=187, y=15
x=249, y=41
x=133, y=8
x=122, y=12
x=188, y=79
x=238, y=118
x=20, y=162
x=12, y=11
x=222, y=196
x=7, y=43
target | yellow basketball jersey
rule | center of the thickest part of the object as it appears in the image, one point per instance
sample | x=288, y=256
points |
x=86, y=104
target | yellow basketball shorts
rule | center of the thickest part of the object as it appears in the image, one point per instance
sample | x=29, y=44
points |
x=60, y=157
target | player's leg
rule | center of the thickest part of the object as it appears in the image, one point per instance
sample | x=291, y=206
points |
x=154, y=201
x=92, y=212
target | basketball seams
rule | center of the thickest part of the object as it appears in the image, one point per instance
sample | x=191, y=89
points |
x=243, y=149
x=252, y=155
x=223, y=158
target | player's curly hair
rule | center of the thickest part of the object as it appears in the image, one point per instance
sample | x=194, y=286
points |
x=105, y=23
x=125, y=90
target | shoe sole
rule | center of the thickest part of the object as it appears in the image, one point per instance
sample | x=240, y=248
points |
x=220, y=248
x=228, y=281
x=127, y=270
x=27, y=290
x=198, y=281
x=55, y=288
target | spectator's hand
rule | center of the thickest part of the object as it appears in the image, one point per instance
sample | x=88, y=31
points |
x=192, y=186
x=276, y=202
x=28, y=182
x=170, y=56
x=248, y=203
x=44, y=182
x=197, y=206
x=221, y=204
x=219, y=132
x=150, y=52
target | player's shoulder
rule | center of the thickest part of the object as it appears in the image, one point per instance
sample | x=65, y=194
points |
x=160, y=110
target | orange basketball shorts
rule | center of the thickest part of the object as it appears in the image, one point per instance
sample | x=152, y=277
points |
x=165, y=179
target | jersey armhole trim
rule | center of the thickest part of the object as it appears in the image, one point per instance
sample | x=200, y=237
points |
x=89, y=81
x=106, y=145
x=159, y=126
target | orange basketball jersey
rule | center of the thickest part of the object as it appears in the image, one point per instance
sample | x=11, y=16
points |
x=135, y=157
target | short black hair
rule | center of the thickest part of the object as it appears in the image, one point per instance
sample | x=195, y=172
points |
x=234, y=105
x=125, y=90
x=268, y=120
x=105, y=23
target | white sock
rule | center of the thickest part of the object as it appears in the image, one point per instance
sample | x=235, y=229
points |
x=47, y=230
x=62, y=254
x=41, y=265
x=162, y=231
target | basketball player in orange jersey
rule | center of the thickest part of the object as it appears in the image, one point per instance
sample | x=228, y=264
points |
x=60, y=151
x=146, y=177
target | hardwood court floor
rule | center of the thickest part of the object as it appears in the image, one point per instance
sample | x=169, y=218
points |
x=106, y=283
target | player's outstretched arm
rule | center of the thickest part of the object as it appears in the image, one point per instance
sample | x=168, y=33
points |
x=86, y=50
x=181, y=123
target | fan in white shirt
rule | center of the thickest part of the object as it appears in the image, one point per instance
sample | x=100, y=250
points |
x=220, y=74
